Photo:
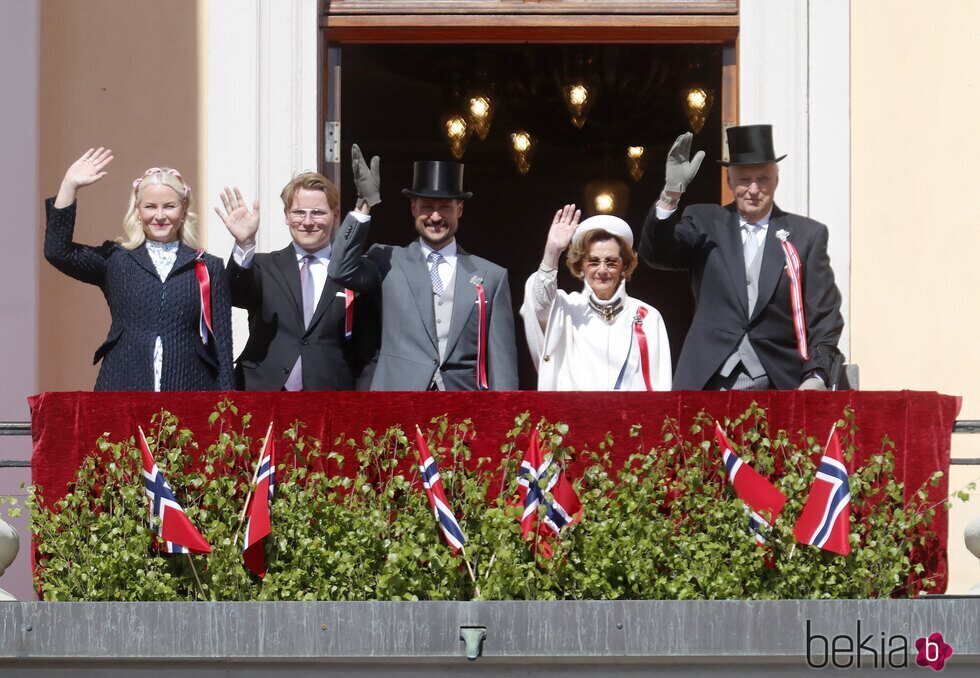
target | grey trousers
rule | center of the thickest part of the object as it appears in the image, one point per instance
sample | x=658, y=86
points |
x=739, y=380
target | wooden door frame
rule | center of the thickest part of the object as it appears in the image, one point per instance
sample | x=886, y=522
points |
x=348, y=27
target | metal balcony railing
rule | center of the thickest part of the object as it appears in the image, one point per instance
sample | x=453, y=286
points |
x=23, y=428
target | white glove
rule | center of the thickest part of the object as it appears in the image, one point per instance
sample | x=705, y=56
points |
x=813, y=384
x=367, y=180
x=681, y=170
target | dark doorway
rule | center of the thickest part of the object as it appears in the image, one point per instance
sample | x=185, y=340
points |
x=395, y=99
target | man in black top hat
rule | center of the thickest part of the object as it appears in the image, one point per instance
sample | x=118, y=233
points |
x=767, y=311
x=447, y=321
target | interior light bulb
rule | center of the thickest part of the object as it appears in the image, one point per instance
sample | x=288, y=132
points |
x=479, y=107
x=604, y=203
x=697, y=98
x=456, y=127
x=521, y=141
x=577, y=95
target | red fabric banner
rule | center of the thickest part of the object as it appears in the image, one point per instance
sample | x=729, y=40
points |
x=65, y=426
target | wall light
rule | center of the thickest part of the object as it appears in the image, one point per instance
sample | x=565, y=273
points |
x=579, y=100
x=636, y=160
x=523, y=146
x=698, y=101
x=479, y=112
x=606, y=196
x=457, y=134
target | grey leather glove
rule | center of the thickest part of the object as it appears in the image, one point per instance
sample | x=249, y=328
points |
x=812, y=384
x=367, y=180
x=681, y=168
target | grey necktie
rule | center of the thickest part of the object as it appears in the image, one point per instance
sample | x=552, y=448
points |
x=306, y=282
x=295, y=380
x=434, y=259
x=751, y=245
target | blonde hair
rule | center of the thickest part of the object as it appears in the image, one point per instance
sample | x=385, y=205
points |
x=310, y=181
x=133, y=234
x=581, y=246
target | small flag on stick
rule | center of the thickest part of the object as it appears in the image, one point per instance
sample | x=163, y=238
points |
x=432, y=483
x=532, y=469
x=763, y=500
x=259, y=515
x=173, y=526
x=826, y=517
x=563, y=509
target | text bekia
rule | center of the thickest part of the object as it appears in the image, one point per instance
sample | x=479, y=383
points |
x=844, y=651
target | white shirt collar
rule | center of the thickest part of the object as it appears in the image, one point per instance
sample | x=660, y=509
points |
x=762, y=223
x=322, y=254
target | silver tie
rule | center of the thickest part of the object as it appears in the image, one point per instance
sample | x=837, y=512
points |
x=306, y=283
x=751, y=245
x=434, y=259
x=295, y=380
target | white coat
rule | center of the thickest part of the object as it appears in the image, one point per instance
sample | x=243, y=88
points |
x=574, y=349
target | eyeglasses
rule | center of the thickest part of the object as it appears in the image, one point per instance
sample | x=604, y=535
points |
x=298, y=216
x=613, y=262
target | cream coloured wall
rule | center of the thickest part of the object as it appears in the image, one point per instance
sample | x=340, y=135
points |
x=915, y=282
x=122, y=75
x=915, y=147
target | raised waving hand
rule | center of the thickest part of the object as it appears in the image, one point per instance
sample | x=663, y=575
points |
x=86, y=170
x=560, y=234
x=680, y=171
x=240, y=222
x=367, y=178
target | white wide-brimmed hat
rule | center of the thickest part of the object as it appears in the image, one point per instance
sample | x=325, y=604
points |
x=608, y=223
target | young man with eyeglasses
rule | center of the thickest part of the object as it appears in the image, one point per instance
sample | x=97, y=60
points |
x=306, y=333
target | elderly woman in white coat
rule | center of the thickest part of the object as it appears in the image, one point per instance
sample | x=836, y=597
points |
x=599, y=339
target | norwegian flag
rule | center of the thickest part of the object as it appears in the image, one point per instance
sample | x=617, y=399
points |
x=763, y=500
x=258, y=525
x=173, y=526
x=532, y=469
x=432, y=483
x=564, y=508
x=826, y=517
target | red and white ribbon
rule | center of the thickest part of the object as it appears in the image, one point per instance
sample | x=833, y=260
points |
x=481, y=340
x=794, y=268
x=641, y=342
x=348, y=313
x=204, y=285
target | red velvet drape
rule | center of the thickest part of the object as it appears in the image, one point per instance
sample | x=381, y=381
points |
x=65, y=426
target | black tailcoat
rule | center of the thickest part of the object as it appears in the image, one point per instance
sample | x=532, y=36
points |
x=706, y=241
x=271, y=291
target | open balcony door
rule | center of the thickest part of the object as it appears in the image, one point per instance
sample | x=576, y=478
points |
x=518, y=21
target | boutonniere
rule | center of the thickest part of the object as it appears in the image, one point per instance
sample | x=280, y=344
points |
x=476, y=280
x=782, y=234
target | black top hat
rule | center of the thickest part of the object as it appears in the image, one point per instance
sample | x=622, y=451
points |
x=750, y=145
x=437, y=179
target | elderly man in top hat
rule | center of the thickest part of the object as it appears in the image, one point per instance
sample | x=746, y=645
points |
x=767, y=311
x=447, y=321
